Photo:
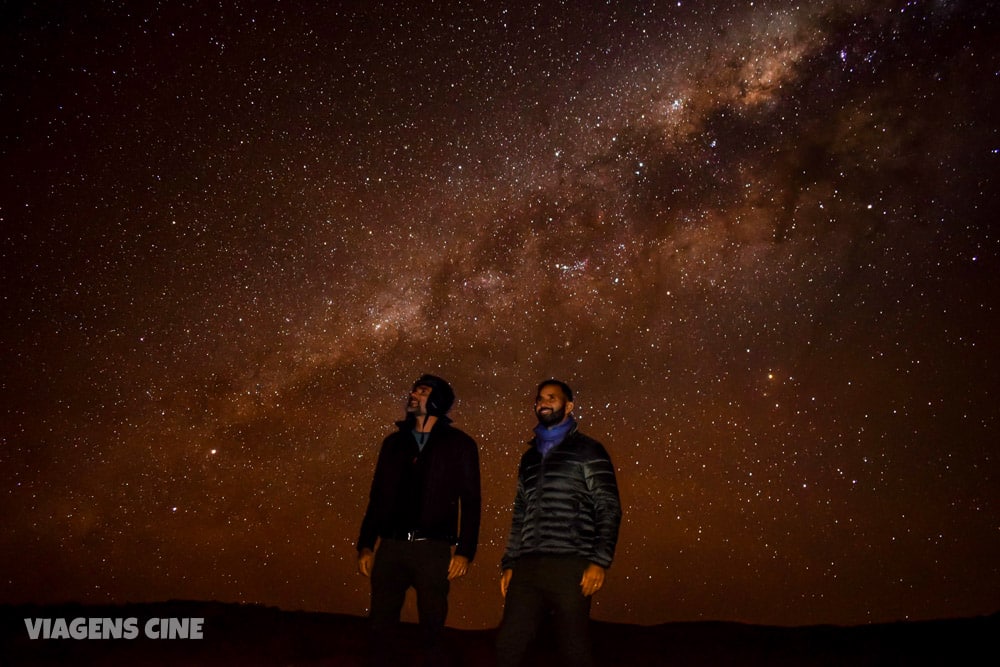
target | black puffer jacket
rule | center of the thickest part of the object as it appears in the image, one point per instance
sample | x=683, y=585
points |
x=567, y=503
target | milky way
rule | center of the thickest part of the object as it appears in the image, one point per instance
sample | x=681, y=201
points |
x=758, y=239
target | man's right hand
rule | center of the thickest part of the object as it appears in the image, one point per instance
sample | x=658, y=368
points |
x=505, y=577
x=366, y=557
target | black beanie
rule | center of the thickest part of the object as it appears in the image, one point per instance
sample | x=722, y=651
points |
x=441, y=398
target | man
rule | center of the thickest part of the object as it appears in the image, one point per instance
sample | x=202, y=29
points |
x=426, y=478
x=563, y=533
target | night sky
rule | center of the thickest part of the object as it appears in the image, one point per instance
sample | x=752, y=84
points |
x=759, y=239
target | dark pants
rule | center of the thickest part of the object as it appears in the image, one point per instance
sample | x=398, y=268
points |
x=398, y=566
x=543, y=585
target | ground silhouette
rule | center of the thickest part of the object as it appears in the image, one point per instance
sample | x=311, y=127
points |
x=252, y=635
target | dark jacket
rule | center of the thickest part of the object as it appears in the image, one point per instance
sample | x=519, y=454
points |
x=566, y=504
x=422, y=491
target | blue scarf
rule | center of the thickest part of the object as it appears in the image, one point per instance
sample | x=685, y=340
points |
x=547, y=438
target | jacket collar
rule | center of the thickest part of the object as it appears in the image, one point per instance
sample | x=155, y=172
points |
x=532, y=442
x=409, y=422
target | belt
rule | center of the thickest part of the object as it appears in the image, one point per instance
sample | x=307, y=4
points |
x=414, y=536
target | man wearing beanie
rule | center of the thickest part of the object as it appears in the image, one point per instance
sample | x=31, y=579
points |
x=423, y=510
x=563, y=534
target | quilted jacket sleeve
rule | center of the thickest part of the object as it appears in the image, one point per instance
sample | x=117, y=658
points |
x=603, y=487
x=513, y=550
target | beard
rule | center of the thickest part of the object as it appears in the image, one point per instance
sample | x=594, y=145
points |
x=550, y=418
x=413, y=407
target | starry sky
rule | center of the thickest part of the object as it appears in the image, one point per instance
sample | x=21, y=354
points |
x=759, y=240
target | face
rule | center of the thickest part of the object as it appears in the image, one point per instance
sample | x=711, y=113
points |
x=417, y=403
x=551, y=406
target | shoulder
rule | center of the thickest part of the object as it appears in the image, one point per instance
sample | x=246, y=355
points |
x=587, y=447
x=395, y=445
x=530, y=456
x=455, y=436
x=394, y=437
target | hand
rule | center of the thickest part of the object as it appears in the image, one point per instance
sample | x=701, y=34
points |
x=593, y=579
x=505, y=578
x=458, y=566
x=365, y=560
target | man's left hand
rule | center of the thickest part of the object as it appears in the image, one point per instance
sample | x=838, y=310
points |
x=593, y=579
x=458, y=566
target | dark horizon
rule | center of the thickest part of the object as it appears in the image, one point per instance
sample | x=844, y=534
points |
x=174, y=606
x=759, y=241
x=257, y=635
